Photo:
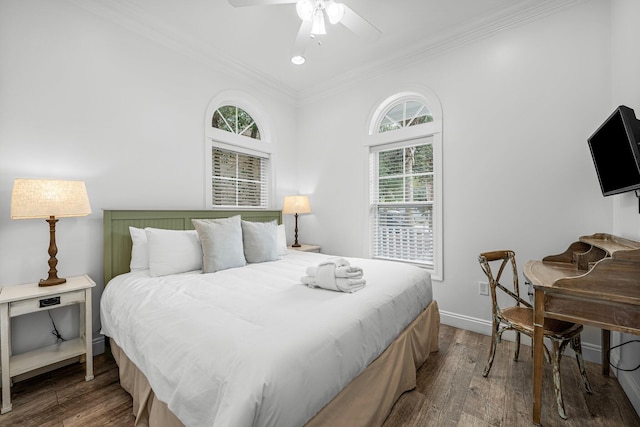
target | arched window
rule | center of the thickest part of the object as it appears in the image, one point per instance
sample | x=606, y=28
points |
x=405, y=170
x=238, y=156
x=404, y=113
x=235, y=120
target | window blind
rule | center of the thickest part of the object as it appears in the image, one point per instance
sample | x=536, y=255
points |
x=401, y=209
x=239, y=179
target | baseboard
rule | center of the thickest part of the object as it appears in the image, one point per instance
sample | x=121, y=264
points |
x=631, y=388
x=98, y=345
x=591, y=352
x=469, y=323
x=627, y=380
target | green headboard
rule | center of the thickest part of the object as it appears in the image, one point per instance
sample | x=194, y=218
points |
x=117, y=240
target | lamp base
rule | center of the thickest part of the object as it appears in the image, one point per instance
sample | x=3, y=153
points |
x=53, y=278
x=51, y=281
x=295, y=242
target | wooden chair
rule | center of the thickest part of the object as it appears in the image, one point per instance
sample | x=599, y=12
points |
x=519, y=318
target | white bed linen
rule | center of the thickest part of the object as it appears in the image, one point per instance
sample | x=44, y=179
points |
x=253, y=346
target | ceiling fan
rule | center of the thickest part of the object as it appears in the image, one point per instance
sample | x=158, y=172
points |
x=313, y=13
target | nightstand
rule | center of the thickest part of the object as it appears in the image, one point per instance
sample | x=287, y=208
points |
x=30, y=298
x=306, y=248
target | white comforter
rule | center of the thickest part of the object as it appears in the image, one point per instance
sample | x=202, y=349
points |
x=252, y=346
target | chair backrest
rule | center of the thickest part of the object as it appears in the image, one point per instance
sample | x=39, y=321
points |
x=501, y=258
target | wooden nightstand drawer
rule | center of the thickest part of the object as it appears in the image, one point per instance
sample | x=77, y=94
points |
x=18, y=308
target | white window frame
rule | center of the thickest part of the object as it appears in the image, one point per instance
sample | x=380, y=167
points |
x=229, y=141
x=375, y=141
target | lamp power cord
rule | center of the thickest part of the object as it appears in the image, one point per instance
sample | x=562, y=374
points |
x=620, y=345
x=55, y=331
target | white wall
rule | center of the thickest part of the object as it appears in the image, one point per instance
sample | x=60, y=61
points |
x=517, y=109
x=82, y=98
x=626, y=219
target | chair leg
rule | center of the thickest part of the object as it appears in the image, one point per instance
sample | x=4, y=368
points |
x=515, y=356
x=577, y=348
x=556, y=356
x=495, y=337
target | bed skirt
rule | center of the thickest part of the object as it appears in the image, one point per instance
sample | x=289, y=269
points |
x=366, y=401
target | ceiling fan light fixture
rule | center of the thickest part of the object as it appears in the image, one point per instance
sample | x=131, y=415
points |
x=298, y=60
x=335, y=11
x=317, y=25
x=312, y=28
x=305, y=9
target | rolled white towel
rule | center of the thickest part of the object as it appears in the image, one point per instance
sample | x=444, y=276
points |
x=341, y=284
x=349, y=272
x=335, y=274
x=342, y=268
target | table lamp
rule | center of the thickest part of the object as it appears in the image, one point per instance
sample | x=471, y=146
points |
x=296, y=205
x=48, y=198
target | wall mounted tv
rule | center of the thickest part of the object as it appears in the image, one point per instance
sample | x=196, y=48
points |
x=615, y=152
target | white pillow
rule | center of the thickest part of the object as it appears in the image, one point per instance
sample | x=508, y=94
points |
x=139, y=249
x=221, y=241
x=282, y=241
x=260, y=241
x=173, y=251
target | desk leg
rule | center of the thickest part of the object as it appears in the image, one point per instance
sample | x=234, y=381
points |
x=5, y=340
x=538, y=353
x=606, y=345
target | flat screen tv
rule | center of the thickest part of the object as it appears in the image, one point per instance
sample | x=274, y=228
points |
x=615, y=152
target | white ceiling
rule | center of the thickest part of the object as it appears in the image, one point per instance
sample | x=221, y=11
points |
x=258, y=40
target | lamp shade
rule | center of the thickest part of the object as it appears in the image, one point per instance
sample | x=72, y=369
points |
x=43, y=198
x=296, y=205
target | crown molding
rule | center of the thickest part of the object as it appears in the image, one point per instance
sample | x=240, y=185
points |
x=447, y=42
x=134, y=19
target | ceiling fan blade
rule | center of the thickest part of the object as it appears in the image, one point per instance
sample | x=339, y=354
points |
x=244, y=3
x=302, y=39
x=359, y=25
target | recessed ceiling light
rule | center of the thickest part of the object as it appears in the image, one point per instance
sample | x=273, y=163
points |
x=298, y=60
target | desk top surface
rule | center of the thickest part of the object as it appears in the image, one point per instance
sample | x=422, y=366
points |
x=609, y=279
x=610, y=243
x=545, y=274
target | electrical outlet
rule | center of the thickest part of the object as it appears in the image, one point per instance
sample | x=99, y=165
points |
x=483, y=288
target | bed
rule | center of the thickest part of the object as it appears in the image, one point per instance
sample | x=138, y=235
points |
x=252, y=345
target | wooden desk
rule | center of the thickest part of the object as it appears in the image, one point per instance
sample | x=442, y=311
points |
x=596, y=282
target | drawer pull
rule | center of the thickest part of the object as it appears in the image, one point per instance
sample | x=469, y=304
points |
x=48, y=302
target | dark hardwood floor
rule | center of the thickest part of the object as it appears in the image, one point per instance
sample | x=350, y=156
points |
x=450, y=392
x=63, y=398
